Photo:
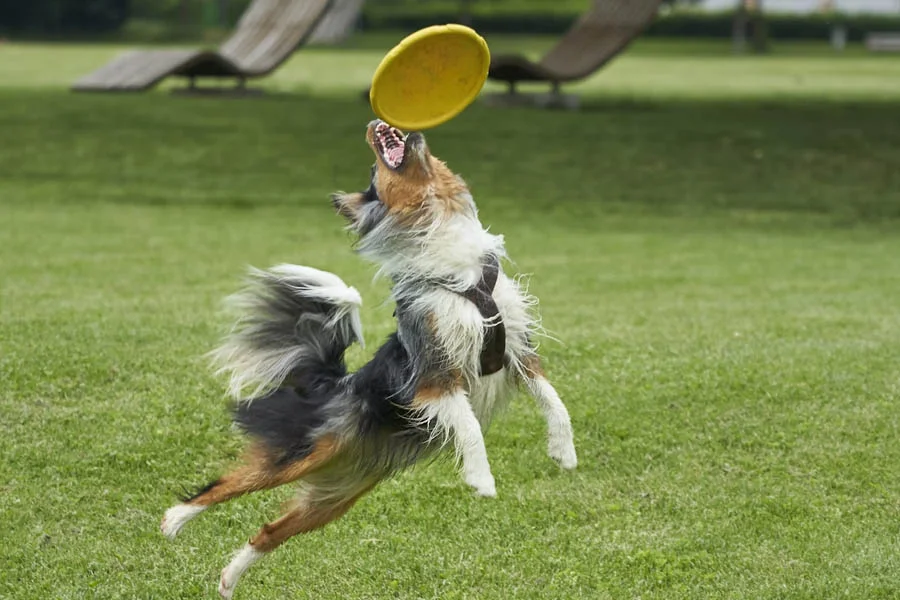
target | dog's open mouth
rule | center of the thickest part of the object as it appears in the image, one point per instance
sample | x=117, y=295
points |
x=391, y=144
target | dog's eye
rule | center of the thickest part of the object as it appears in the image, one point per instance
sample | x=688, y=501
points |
x=370, y=195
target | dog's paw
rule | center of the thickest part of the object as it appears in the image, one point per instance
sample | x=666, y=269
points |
x=226, y=584
x=483, y=483
x=238, y=565
x=176, y=517
x=563, y=452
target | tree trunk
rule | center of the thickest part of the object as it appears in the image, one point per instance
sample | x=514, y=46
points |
x=739, y=28
x=760, y=34
x=184, y=16
x=465, y=12
x=223, y=14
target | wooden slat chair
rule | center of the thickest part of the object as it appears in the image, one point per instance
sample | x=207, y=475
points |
x=339, y=23
x=267, y=34
x=592, y=41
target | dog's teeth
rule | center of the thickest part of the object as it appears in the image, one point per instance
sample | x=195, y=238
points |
x=391, y=145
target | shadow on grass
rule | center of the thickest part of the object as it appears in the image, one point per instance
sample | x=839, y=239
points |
x=667, y=157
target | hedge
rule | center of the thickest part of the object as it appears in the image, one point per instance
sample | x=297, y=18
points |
x=63, y=16
x=675, y=24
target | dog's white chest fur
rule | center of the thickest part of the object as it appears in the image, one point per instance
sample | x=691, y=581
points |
x=459, y=328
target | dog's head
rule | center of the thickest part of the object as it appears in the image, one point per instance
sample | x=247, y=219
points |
x=407, y=184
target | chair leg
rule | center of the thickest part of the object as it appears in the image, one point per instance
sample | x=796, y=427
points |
x=554, y=99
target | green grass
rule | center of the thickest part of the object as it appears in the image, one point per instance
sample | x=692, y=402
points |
x=716, y=248
x=654, y=70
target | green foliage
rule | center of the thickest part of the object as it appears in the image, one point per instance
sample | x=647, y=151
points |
x=537, y=17
x=780, y=26
x=181, y=14
x=63, y=17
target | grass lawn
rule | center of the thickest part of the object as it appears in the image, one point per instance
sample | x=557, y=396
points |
x=714, y=240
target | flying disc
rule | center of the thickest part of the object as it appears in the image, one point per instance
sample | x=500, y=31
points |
x=430, y=77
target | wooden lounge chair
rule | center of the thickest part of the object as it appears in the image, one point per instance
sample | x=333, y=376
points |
x=339, y=23
x=595, y=38
x=268, y=33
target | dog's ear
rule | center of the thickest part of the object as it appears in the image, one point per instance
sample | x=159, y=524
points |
x=347, y=205
x=362, y=210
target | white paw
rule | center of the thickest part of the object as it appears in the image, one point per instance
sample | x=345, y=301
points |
x=483, y=484
x=240, y=563
x=177, y=516
x=226, y=585
x=563, y=452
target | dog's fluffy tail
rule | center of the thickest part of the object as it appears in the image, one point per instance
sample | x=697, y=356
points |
x=294, y=322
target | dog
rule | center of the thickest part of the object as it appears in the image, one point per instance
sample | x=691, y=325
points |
x=465, y=341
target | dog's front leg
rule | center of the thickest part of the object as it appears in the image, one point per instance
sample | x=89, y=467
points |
x=560, y=443
x=451, y=415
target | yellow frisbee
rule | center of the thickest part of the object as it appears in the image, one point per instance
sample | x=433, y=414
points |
x=430, y=77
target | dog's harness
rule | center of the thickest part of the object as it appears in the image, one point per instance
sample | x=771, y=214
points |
x=493, y=349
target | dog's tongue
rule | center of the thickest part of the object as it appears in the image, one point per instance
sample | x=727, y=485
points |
x=392, y=144
x=394, y=155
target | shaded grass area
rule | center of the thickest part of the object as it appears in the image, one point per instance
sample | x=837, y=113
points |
x=821, y=158
x=722, y=276
x=651, y=69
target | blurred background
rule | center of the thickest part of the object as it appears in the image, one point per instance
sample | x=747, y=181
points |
x=168, y=20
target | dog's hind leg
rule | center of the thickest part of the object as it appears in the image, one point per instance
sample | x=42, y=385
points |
x=260, y=471
x=309, y=514
x=560, y=444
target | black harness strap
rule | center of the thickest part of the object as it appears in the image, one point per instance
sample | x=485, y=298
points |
x=494, y=348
